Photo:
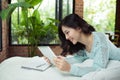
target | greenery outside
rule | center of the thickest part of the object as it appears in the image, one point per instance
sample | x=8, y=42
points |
x=31, y=27
x=48, y=35
x=101, y=14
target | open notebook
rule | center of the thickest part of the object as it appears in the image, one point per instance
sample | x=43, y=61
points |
x=38, y=63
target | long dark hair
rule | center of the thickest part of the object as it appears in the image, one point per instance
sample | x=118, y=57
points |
x=73, y=21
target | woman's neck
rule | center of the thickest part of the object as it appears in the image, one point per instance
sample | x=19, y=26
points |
x=88, y=41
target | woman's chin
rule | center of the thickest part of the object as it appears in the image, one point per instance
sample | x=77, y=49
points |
x=74, y=43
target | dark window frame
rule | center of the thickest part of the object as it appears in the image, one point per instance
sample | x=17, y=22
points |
x=117, y=21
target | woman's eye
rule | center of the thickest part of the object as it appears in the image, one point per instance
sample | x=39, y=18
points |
x=67, y=32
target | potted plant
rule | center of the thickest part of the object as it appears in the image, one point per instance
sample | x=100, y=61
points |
x=33, y=28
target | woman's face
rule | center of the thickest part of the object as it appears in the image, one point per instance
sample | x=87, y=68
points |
x=71, y=34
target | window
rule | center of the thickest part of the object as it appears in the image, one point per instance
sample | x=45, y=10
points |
x=53, y=10
x=101, y=14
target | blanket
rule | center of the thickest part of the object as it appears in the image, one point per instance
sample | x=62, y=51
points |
x=10, y=69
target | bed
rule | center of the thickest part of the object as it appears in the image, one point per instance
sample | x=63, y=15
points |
x=10, y=69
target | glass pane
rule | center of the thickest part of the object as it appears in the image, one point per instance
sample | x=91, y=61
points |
x=100, y=14
x=18, y=29
x=67, y=7
x=45, y=19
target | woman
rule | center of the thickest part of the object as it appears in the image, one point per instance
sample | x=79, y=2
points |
x=79, y=39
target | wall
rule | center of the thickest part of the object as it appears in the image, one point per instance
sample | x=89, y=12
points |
x=22, y=50
x=4, y=53
x=9, y=51
x=79, y=7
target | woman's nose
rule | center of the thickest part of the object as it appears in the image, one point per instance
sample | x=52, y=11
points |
x=67, y=37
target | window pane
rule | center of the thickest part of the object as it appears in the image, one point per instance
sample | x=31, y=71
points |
x=67, y=7
x=19, y=31
x=100, y=14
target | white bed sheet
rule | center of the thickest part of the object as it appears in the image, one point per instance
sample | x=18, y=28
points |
x=10, y=69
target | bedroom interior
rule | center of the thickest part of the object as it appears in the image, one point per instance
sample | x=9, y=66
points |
x=8, y=51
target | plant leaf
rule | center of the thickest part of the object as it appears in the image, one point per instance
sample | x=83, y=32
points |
x=33, y=2
x=6, y=13
x=37, y=15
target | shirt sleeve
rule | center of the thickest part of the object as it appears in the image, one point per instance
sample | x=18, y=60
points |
x=80, y=71
x=101, y=57
x=77, y=57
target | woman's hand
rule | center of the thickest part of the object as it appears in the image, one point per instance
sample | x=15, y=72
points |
x=46, y=59
x=61, y=63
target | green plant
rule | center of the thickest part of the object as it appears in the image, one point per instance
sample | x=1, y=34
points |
x=31, y=27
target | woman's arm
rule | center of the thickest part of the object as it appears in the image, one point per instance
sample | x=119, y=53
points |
x=74, y=69
x=80, y=71
x=100, y=57
x=78, y=57
x=68, y=65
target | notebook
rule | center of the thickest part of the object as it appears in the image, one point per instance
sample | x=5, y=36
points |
x=39, y=63
x=46, y=51
x=36, y=63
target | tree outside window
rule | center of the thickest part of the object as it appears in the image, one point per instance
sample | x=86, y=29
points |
x=101, y=14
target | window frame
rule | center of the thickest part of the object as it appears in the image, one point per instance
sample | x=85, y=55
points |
x=117, y=21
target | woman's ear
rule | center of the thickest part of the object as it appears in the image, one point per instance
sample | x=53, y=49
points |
x=79, y=29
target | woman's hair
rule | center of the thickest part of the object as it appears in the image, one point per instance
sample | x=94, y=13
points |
x=73, y=21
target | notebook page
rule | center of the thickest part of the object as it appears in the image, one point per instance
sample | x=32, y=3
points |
x=36, y=63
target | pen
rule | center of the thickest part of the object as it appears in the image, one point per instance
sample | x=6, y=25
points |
x=40, y=65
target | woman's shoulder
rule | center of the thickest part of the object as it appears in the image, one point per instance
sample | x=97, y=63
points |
x=100, y=34
x=100, y=38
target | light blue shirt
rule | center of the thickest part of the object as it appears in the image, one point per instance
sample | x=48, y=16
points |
x=102, y=51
